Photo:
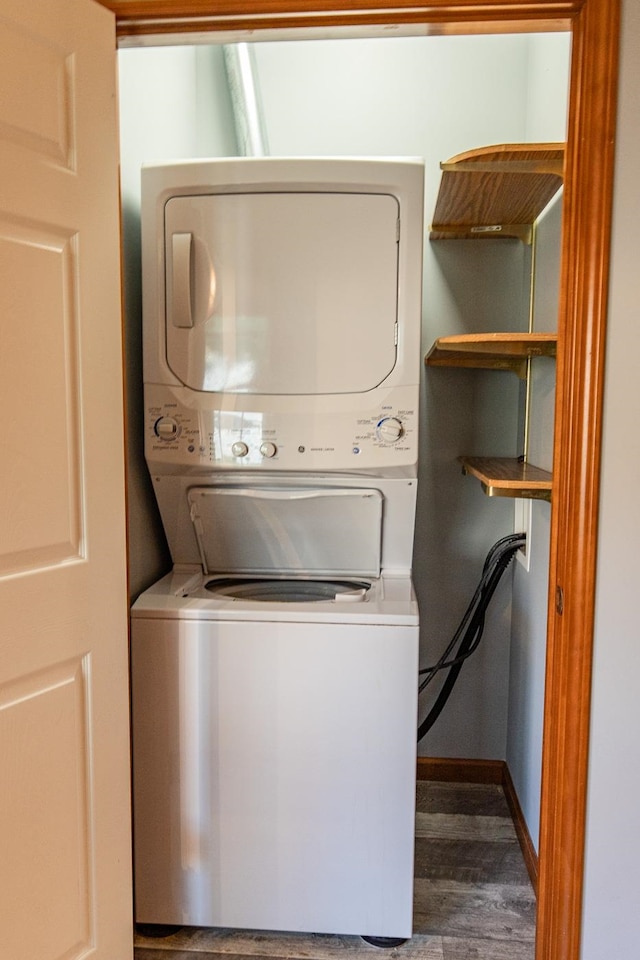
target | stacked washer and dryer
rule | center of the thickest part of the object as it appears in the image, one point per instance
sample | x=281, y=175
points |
x=274, y=670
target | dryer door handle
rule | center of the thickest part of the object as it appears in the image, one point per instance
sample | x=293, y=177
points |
x=181, y=273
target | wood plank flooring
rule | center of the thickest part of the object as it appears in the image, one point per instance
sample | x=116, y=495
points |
x=473, y=899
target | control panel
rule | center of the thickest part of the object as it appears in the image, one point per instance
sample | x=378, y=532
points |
x=283, y=439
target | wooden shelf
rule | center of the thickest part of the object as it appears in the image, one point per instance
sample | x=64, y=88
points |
x=496, y=192
x=509, y=477
x=492, y=351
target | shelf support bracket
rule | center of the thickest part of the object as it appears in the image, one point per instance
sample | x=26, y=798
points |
x=498, y=231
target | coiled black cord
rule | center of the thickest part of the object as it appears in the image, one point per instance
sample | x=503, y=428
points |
x=471, y=627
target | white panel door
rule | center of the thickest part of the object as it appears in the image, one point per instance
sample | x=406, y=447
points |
x=65, y=888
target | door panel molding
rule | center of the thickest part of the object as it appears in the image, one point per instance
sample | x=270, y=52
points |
x=45, y=526
x=44, y=743
x=41, y=74
x=583, y=307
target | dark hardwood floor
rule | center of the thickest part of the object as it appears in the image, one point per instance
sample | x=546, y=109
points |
x=473, y=899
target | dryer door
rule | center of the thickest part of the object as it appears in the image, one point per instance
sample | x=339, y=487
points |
x=289, y=530
x=282, y=293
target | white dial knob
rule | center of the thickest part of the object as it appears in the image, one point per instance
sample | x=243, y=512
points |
x=390, y=429
x=166, y=428
x=239, y=449
x=268, y=449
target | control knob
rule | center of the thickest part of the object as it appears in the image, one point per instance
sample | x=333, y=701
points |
x=239, y=449
x=166, y=428
x=268, y=449
x=389, y=429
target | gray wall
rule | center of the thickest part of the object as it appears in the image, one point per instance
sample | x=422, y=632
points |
x=342, y=102
x=173, y=105
x=431, y=97
x=611, y=922
x=530, y=580
x=548, y=77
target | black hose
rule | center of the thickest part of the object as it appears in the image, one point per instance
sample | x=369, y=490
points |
x=513, y=540
x=470, y=630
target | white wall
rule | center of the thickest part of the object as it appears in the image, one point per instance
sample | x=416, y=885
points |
x=611, y=921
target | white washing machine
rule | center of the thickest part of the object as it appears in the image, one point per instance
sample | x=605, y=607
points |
x=274, y=671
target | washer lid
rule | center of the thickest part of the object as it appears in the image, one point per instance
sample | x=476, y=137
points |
x=331, y=531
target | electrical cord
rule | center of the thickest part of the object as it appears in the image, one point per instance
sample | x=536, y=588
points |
x=471, y=627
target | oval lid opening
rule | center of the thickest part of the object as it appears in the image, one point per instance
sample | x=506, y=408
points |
x=291, y=590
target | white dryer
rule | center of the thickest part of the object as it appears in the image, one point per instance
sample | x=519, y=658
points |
x=274, y=671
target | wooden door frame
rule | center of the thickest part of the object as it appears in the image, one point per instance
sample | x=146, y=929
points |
x=583, y=304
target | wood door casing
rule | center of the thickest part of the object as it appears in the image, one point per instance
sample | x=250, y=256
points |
x=144, y=17
x=584, y=286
